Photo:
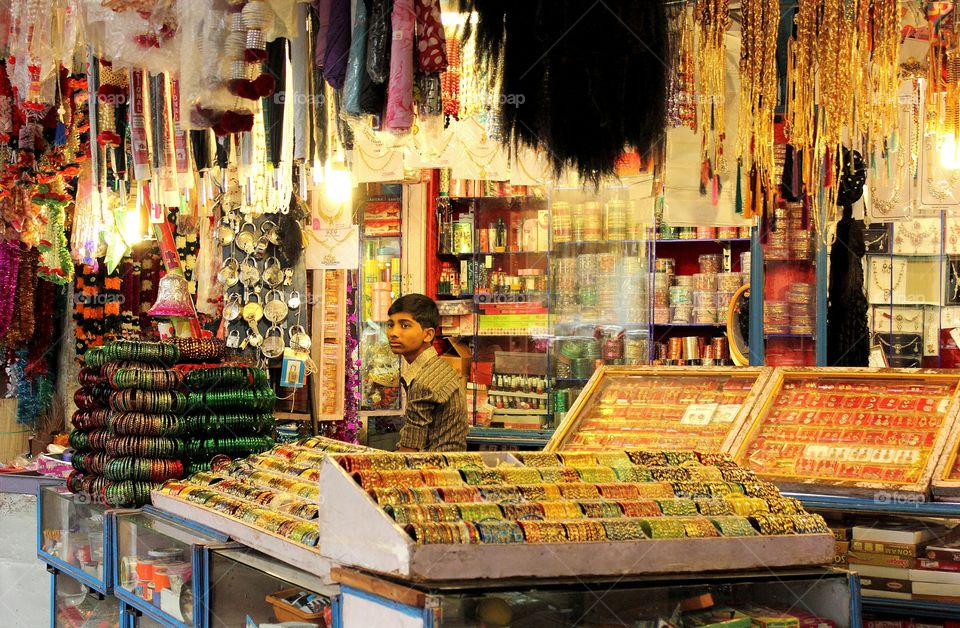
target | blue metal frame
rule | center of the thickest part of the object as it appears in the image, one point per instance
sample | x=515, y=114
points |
x=53, y=598
x=756, y=341
x=197, y=564
x=890, y=505
x=409, y=611
x=104, y=586
x=856, y=618
x=336, y=612
x=912, y=607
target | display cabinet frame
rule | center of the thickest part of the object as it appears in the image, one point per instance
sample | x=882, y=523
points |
x=387, y=599
x=203, y=536
x=101, y=597
x=103, y=585
x=737, y=444
x=574, y=417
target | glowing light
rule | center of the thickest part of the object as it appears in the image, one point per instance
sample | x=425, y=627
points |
x=950, y=153
x=338, y=186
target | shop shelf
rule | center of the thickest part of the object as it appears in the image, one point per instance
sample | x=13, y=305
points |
x=701, y=240
x=689, y=324
x=882, y=502
x=598, y=242
x=511, y=393
x=809, y=336
x=505, y=436
x=464, y=295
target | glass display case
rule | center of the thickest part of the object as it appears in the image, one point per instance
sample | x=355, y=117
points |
x=247, y=585
x=159, y=568
x=660, y=408
x=600, y=277
x=850, y=431
x=379, y=286
x=74, y=605
x=74, y=536
x=732, y=600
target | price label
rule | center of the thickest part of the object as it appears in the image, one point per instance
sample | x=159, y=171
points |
x=699, y=414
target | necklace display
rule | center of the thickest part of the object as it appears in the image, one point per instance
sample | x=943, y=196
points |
x=887, y=268
x=898, y=348
x=713, y=20
x=880, y=240
x=917, y=237
x=900, y=319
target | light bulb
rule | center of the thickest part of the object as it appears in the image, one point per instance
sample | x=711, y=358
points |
x=949, y=153
x=338, y=186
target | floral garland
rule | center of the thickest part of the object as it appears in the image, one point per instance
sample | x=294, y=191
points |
x=34, y=394
x=9, y=269
x=50, y=299
x=56, y=265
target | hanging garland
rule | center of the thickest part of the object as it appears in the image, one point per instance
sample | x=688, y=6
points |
x=22, y=327
x=9, y=270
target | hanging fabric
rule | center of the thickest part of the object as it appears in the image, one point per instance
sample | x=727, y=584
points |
x=356, y=66
x=399, y=117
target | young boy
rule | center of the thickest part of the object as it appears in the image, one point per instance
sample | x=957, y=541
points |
x=436, y=416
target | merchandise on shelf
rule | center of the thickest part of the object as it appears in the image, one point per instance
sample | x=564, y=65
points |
x=683, y=408
x=850, y=431
x=149, y=412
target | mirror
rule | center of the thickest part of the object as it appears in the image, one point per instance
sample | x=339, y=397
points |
x=738, y=326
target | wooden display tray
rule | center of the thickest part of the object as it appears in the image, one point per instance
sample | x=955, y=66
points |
x=943, y=487
x=737, y=444
x=300, y=556
x=571, y=422
x=359, y=533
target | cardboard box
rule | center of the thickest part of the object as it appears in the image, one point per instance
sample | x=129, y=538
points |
x=458, y=356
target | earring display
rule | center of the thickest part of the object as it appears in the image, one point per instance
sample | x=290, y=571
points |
x=902, y=350
x=877, y=239
x=886, y=280
x=852, y=433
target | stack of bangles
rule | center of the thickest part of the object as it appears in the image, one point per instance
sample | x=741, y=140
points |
x=89, y=376
x=142, y=469
x=141, y=424
x=137, y=351
x=201, y=349
x=226, y=377
x=149, y=401
x=260, y=400
x=146, y=447
x=146, y=379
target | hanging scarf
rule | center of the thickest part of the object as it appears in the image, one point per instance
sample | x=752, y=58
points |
x=322, y=10
x=378, y=40
x=431, y=42
x=338, y=44
x=399, y=116
x=356, y=66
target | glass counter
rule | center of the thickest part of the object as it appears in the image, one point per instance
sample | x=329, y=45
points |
x=660, y=408
x=822, y=597
x=248, y=585
x=159, y=568
x=74, y=605
x=74, y=536
x=850, y=431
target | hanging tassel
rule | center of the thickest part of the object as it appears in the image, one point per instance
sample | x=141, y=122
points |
x=739, y=202
x=60, y=136
x=715, y=190
x=704, y=176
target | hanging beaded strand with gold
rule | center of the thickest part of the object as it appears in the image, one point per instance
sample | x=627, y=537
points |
x=713, y=20
x=682, y=108
x=758, y=75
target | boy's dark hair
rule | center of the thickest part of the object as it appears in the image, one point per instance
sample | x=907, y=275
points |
x=420, y=307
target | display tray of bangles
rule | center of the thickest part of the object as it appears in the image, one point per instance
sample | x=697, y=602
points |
x=850, y=431
x=660, y=408
x=436, y=517
x=268, y=501
x=946, y=476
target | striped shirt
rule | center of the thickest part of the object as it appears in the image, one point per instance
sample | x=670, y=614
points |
x=436, y=416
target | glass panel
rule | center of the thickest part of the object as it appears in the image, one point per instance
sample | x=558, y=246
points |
x=76, y=607
x=845, y=429
x=731, y=605
x=379, y=287
x=238, y=591
x=72, y=530
x=154, y=562
x=660, y=411
x=147, y=622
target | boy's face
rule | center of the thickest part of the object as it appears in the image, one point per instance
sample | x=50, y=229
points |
x=406, y=336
